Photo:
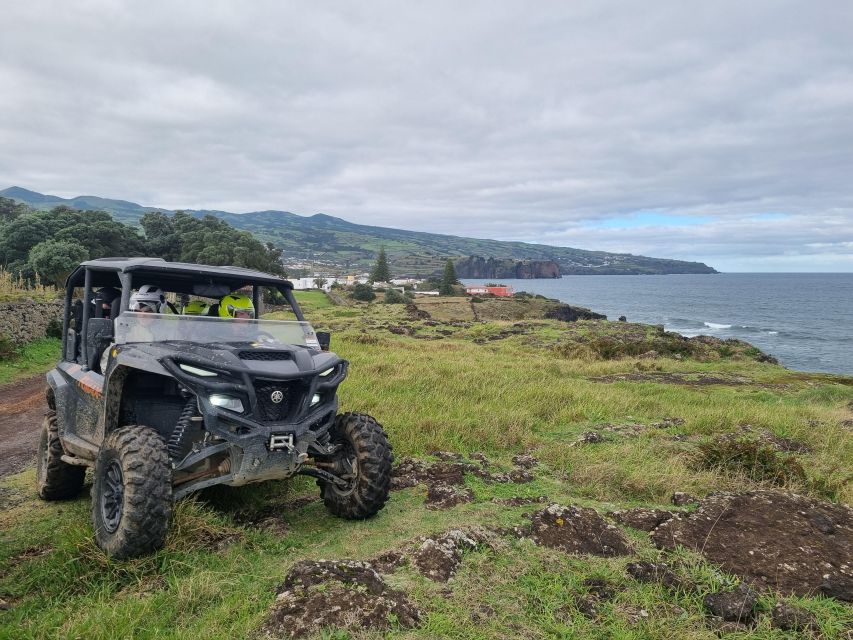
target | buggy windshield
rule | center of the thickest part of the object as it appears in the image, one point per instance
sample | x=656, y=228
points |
x=159, y=327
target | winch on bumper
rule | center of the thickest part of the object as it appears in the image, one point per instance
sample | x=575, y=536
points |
x=264, y=412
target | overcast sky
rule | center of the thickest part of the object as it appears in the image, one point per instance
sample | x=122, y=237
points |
x=712, y=131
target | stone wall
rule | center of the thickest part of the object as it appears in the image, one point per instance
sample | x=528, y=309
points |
x=25, y=321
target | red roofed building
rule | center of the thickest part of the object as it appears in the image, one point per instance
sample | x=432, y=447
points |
x=501, y=291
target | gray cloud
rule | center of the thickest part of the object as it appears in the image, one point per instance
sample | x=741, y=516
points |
x=504, y=120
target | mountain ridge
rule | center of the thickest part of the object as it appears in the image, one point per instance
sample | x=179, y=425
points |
x=326, y=240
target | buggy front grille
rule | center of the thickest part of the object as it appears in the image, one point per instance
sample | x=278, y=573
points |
x=277, y=400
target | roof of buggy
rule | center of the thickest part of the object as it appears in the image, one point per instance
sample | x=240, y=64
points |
x=170, y=276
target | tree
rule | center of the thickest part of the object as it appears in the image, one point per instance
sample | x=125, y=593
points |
x=9, y=210
x=393, y=296
x=320, y=282
x=363, y=292
x=53, y=260
x=207, y=240
x=448, y=279
x=381, y=272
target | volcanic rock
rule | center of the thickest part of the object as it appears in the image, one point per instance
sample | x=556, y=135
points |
x=732, y=606
x=642, y=519
x=772, y=539
x=577, y=530
x=650, y=572
x=438, y=558
x=340, y=593
x=789, y=617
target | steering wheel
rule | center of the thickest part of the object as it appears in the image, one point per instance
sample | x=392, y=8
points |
x=264, y=336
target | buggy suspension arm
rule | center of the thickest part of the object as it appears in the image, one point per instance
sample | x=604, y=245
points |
x=314, y=472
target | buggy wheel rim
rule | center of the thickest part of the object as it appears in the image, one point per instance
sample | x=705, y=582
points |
x=112, y=496
x=347, y=468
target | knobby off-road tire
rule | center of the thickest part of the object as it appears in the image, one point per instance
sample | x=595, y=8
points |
x=365, y=442
x=132, y=493
x=57, y=480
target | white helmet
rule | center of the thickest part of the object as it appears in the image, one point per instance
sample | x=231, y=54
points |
x=149, y=296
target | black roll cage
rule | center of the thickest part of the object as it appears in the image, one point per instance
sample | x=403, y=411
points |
x=176, y=277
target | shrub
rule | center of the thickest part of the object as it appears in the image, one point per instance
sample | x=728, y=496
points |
x=53, y=329
x=8, y=349
x=363, y=292
x=392, y=296
x=753, y=459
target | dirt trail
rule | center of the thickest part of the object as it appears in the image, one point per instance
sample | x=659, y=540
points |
x=22, y=407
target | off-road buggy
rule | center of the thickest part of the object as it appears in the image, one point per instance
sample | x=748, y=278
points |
x=186, y=402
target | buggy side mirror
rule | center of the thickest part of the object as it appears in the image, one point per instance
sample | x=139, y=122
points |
x=324, y=338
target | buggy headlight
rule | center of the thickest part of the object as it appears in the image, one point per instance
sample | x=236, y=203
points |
x=327, y=372
x=197, y=372
x=226, y=402
x=315, y=399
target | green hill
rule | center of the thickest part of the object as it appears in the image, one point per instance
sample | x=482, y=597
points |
x=334, y=241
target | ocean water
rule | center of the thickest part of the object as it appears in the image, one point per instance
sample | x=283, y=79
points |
x=804, y=319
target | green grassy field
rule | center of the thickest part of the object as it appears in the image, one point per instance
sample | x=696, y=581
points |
x=33, y=358
x=496, y=387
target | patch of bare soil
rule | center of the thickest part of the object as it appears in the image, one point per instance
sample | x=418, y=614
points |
x=272, y=518
x=690, y=379
x=655, y=572
x=336, y=593
x=772, y=539
x=588, y=601
x=22, y=408
x=681, y=499
x=642, y=519
x=445, y=479
x=577, y=530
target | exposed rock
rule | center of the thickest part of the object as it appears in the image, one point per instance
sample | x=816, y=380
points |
x=520, y=501
x=480, y=457
x=443, y=495
x=590, y=437
x=601, y=588
x=632, y=614
x=789, y=617
x=438, y=558
x=479, y=268
x=525, y=461
x=577, y=530
x=722, y=627
x=388, y=561
x=588, y=605
x=482, y=612
x=642, y=519
x=568, y=313
x=772, y=539
x=732, y=606
x=681, y=499
x=448, y=456
x=666, y=423
x=340, y=593
x=785, y=445
x=445, y=480
x=654, y=572
x=649, y=355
